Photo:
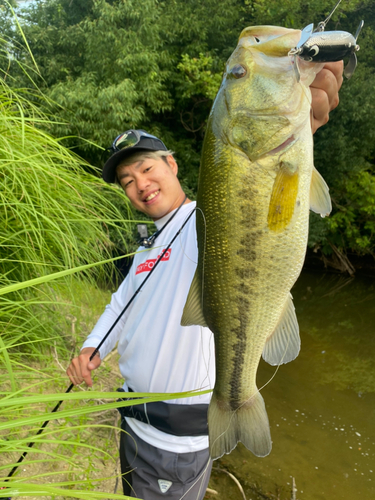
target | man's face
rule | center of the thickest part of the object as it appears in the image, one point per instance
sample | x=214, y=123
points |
x=152, y=186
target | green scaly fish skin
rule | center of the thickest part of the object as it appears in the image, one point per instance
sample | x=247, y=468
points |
x=257, y=183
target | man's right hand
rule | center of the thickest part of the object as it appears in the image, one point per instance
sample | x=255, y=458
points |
x=81, y=367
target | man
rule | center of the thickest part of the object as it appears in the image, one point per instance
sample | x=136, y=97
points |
x=164, y=451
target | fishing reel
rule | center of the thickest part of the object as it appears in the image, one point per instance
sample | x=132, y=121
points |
x=144, y=239
x=148, y=241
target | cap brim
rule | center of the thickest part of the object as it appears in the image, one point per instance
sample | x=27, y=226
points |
x=109, y=169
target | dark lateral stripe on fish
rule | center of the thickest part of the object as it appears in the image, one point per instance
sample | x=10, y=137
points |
x=239, y=349
x=248, y=252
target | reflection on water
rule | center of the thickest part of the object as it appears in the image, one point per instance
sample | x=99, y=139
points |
x=322, y=405
x=339, y=315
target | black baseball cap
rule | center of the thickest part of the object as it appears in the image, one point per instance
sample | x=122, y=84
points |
x=124, y=145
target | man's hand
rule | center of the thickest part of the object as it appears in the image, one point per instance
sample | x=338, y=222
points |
x=81, y=367
x=325, y=93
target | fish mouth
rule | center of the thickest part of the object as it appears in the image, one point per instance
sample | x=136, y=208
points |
x=286, y=144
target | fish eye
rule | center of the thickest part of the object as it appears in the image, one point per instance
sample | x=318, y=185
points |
x=238, y=71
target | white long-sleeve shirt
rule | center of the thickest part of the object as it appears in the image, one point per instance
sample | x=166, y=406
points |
x=156, y=353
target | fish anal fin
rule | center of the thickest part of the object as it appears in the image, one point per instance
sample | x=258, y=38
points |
x=284, y=344
x=248, y=424
x=193, y=311
x=320, y=200
x=283, y=198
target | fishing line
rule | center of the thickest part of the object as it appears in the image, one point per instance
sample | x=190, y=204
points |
x=205, y=230
x=201, y=476
x=251, y=397
x=185, y=254
x=206, y=361
x=204, y=247
x=96, y=351
x=204, y=254
x=321, y=26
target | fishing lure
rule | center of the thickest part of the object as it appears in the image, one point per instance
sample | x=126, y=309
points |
x=327, y=46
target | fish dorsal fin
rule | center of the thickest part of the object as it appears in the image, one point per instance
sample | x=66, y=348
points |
x=284, y=344
x=193, y=311
x=320, y=200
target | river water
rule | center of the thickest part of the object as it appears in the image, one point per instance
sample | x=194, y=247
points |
x=321, y=406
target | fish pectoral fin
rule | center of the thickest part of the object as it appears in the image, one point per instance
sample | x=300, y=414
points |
x=283, y=197
x=284, y=344
x=320, y=200
x=193, y=311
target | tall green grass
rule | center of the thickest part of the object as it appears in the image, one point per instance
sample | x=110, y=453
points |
x=54, y=217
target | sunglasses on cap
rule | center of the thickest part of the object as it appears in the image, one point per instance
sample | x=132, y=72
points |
x=124, y=145
x=129, y=139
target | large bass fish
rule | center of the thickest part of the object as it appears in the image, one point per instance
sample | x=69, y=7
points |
x=257, y=183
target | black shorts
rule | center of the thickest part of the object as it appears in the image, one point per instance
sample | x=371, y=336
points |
x=152, y=474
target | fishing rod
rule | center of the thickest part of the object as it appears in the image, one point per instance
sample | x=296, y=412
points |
x=95, y=352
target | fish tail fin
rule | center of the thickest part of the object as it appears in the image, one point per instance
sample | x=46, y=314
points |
x=248, y=424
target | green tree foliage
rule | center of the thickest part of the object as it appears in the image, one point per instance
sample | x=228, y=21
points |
x=102, y=63
x=113, y=65
x=354, y=221
x=110, y=65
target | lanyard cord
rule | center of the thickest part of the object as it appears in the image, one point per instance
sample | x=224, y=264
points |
x=31, y=444
x=148, y=242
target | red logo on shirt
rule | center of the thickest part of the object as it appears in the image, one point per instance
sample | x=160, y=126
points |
x=149, y=264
